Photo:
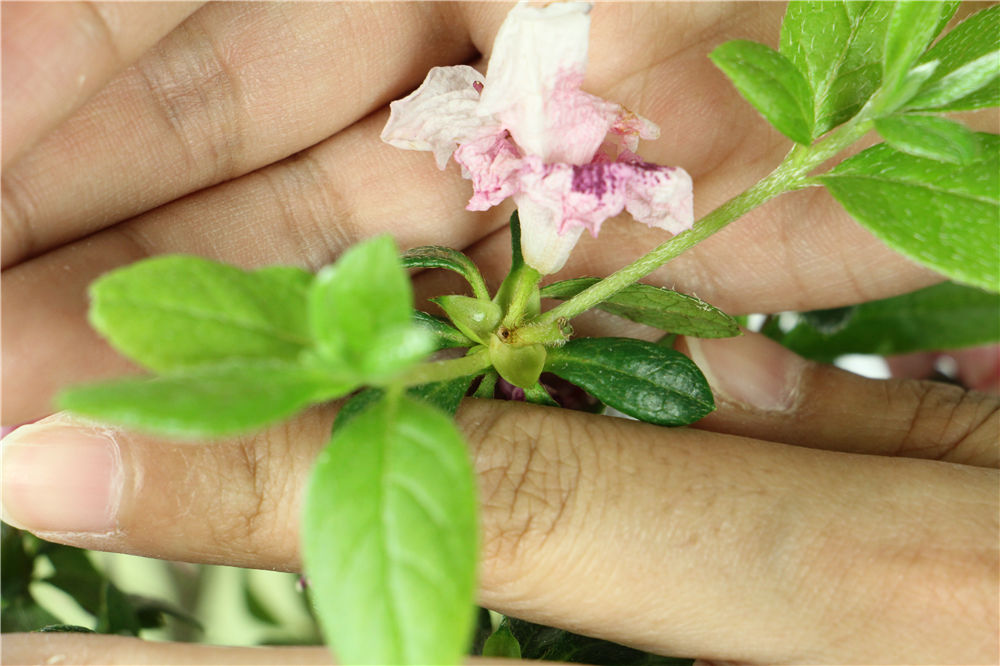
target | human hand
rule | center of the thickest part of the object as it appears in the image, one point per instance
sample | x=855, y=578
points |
x=223, y=84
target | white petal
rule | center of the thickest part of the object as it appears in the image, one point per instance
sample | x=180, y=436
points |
x=544, y=248
x=440, y=114
x=535, y=49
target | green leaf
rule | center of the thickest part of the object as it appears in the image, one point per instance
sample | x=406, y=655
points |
x=206, y=401
x=938, y=214
x=829, y=320
x=65, y=629
x=474, y=317
x=360, y=313
x=390, y=537
x=772, y=84
x=838, y=46
x=150, y=612
x=18, y=564
x=538, y=395
x=961, y=84
x=446, y=396
x=967, y=58
x=116, y=615
x=179, y=311
x=662, y=308
x=502, y=644
x=929, y=136
x=76, y=575
x=24, y=614
x=435, y=256
x=912, y=26
x=638, y=378
x=445, y=336
x=942, y=317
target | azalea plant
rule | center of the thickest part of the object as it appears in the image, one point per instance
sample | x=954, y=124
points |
x=390, y=527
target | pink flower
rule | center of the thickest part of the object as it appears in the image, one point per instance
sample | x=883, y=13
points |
x=527, y=131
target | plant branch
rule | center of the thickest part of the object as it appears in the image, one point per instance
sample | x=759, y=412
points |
x=440, y=371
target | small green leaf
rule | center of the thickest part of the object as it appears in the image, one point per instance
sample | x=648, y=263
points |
x=662, y=308
x=23, y=613
x=179, y=311
x=76, y=575
x=502, y=644
x=929, y=136
x=116, y=615
x=150, y=612
x=772, y=84
x=968, y=59
x=390, y=537
x=945, y=316
x=435, y=256
x=538, y=395
x=208, y=400
x=474, y=317
x=938, y=214
x=446, y=396
x=65, y=629
x=360, y=313
x=829, y=320
x=18, y=564
x=838, y=46
x=445, y=336
x=521, y=366
x=912, y=26
x=961, y=84
x=641, y=379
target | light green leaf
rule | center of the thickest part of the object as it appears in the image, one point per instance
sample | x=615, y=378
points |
x=641, y=379
x=435, y=256
x=208, y=400
x=502, y=644
x=474, y=317
x=929, y=136
x=942, y=317
x=180, y=311
x=390, y=537
x=966, y=76
x=360, y=313
x=912, y=26
x=941, y=215
x=653, y=306
x=838, y=46
x=772, y=84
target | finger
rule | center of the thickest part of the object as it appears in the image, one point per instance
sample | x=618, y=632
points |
x=236, y=87
x=676, y=541
x=763, y=390
x=55, y=56
x=979, y=368
x=102, y=650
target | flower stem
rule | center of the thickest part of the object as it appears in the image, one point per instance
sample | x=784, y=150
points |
x=525, y=286
x=789, y=175
x=440, y=371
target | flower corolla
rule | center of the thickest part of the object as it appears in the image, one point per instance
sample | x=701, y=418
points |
x=526, y=130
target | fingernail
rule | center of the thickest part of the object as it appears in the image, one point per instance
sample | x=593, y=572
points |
x=59, y=478
x=751, y=370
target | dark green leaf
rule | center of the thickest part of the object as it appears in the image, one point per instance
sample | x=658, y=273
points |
x=638, y=378
x=179, y=311
x=435, y=256
x=517, y=258
x=65, y=629
x=551, y=644
x=208, y=400
x=23, y=613
x=360, y=313
x=938, y=214
x=502, y=644
x=445, y=336
x=912, y=26
x=256, y=608
x=945, y=316
x=929, y=136
x=151, y=612
x=116, y=615
x=772, y=84
x=838, y=46
x=662, y=308
x=829, y=320
x=390, y=537
x=76, y=575
x=18, y=564
x=968, y=61
x=446, y=396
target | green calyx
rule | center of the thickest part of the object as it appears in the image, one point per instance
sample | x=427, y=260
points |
x=474, y=317
x=519, y=365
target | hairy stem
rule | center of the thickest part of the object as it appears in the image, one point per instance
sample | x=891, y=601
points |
x=439, y=371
